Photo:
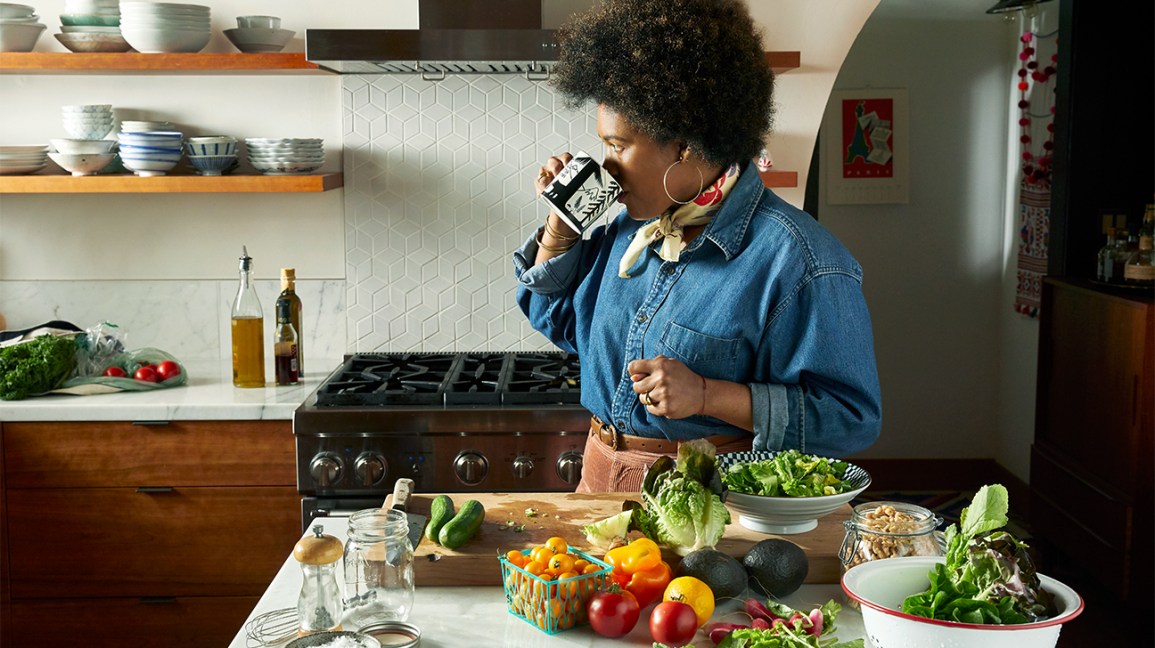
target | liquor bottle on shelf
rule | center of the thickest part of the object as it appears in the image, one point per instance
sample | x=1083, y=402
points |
x=1105, y=264
x=1140, y=268
x=285, y=346
x=289, y=294
x=248, y=330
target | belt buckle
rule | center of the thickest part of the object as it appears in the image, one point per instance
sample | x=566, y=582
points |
x=607, y=430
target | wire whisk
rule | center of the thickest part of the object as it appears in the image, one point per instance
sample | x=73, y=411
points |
x=275, y=628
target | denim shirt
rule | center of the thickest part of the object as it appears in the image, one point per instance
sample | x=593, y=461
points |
x=764, y=296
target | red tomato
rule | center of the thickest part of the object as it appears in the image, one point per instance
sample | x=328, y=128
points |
x=673, y=623
x=167, y=369
x=115, y=372
x=146, y=373
x=613, y=613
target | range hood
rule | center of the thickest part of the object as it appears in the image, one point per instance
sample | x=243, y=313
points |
x=454, y=37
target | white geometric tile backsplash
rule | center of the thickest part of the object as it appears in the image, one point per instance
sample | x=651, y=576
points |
x=438, y=193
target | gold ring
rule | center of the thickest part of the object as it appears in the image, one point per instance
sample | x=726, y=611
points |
x=543, y=175
x=647, y=400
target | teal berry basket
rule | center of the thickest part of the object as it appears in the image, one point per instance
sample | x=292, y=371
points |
x=552, y=606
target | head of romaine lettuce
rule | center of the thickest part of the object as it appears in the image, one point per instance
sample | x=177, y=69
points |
x=683, y=501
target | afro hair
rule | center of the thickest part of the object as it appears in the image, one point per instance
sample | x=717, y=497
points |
x=691, y=70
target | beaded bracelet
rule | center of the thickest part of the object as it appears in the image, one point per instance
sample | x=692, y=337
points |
x=550, y=248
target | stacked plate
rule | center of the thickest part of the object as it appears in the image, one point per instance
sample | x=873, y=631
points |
x=91, y=26
x=150, y=153
x=285, y=155
x=21, y=160
x=88, y=121
x=19, y=27
x=156, y=27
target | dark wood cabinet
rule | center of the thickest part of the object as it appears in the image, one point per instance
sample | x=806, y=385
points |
x=172, y=530
x=1091, y=463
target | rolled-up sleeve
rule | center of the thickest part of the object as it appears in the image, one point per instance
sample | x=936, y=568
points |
x=555, y=275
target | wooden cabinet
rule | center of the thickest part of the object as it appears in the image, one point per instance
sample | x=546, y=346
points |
x=171, y=529
x=1091, y=463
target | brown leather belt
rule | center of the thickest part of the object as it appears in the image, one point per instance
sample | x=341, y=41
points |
x=609, y=436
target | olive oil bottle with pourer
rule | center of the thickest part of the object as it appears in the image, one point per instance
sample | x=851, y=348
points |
x=248, y=330
x=289, y=294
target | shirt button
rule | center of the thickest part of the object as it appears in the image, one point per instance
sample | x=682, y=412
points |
x=669, y=268
x=621, y=425
x=641, y=318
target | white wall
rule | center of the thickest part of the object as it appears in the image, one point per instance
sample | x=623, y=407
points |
x=957, y=364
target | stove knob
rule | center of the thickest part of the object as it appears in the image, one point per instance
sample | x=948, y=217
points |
x=522, y=466
x=370, y=468
x=569, y=467
x=326, y=469
x=471, y=467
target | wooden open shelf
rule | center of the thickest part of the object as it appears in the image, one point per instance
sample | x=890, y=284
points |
x=784, y=61
x=779, y=179
x=180, y=183
x=135, y=63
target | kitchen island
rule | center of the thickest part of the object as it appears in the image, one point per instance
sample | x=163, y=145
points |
x=477, y=616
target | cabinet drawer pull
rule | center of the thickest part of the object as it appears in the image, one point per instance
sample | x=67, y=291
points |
x=154, y=489
x=158, y=600
x=151, y=423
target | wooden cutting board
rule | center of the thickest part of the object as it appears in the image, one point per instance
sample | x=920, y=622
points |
x=564, y=514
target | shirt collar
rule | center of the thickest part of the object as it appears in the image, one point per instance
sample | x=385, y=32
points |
x=728, y=228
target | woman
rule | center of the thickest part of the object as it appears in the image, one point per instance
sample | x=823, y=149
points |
x=709, y=307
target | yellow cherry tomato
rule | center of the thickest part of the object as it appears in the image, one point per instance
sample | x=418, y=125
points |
x=561, y=562
x=516, y=558
x=542, y=554
x=693, y=592
x=557, y=545
x=535, y=567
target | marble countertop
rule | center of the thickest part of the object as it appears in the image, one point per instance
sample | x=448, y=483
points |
x=447, y=614
x=208, y=395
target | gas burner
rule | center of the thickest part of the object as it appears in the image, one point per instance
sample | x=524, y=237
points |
x=478, y=380
x=396, y=379
x=554, y=377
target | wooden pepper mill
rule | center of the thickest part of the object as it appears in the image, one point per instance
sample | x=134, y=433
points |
x=319, y=606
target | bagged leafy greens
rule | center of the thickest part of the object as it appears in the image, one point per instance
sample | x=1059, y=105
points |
x=35, y=366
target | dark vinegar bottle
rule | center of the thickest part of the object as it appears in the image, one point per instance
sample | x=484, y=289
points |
x=285, y=347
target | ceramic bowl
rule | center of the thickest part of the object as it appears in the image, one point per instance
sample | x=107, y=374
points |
x=212, y=165
x=90, y=20
x=83, y=146
x=88, y=131
x=11, y=10
x=30, y=19
x=93, y=42
x=787, y=515
x=29, y=149
x=19, y=37
x=136, y=126
x=155, y=41
x=84, y=29
x=82, y=164
x=151, y=138
x=259, y=39
x=267, y=22
x=147, y=167
x=879, y=587
x=211, y=146
x=285, y=168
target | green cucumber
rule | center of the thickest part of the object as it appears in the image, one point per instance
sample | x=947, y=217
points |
x=440, y=512
x=463, y=526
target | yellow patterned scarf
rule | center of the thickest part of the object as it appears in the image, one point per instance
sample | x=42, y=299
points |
x=668, y=227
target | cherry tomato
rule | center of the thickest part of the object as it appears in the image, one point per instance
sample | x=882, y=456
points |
x=146, y=373
x=167, y=369
x=115, y=372
x=673, y=623
x=613, y=612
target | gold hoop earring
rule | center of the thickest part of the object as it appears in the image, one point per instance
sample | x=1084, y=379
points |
x=701, y=183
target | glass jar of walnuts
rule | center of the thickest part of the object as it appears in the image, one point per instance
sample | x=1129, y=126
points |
x=878, y=530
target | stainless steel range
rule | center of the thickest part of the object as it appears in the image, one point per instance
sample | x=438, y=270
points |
x=454, y=422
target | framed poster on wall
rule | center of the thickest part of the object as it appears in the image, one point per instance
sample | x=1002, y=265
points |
x=867, y=147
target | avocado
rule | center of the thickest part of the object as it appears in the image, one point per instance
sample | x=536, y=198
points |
x=722, y=572
x=776, y=567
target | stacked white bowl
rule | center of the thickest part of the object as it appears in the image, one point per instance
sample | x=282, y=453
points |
x=88, y=121
x=21, y=160
x=256, y=34
x=165, y=26
x=285, y=155
x=150, y=153
x=82, y=157
x=212, y=155
x=19, y=27
x=92, y=26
